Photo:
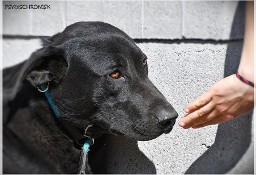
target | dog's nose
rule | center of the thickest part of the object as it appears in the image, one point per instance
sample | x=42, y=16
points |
x=166, y=116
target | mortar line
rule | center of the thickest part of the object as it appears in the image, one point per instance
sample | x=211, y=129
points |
x=139, y=40
x=182, y=18
x=26, y=37
x=142, y=18
x=66, y=13
x=184, y=40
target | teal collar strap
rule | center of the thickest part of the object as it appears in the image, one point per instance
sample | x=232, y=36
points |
x=45, y=90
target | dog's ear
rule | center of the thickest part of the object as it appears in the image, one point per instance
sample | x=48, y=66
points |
x=45, y=65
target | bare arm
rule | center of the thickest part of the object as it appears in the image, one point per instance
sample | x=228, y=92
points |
x=246, y=68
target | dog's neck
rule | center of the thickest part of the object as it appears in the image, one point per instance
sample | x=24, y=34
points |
x=40, y=133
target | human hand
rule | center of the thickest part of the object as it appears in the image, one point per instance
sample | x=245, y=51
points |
x=225, y=100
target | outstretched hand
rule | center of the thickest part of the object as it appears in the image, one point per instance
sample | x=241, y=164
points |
x=225, y=100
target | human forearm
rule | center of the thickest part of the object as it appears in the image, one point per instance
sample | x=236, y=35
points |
x=246, y=67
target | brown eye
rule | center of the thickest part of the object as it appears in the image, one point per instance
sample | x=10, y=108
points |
x=144, y=62
x=116, y=74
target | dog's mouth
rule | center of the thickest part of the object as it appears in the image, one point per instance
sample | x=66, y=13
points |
x=145, y=132
x=168, y=129
x=151, y=135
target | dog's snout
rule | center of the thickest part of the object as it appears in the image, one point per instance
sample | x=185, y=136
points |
x=166, y=116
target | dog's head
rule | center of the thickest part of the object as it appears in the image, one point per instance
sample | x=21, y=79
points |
x=98, y=74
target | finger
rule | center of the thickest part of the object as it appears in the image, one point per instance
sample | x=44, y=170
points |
x=207, y=117
x=195, y=117
x=200, y=101
x=206, y=123
x=216, y=120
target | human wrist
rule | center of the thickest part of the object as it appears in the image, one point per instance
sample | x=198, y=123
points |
x=246, y=66
x=244, y=90
x=244, y=80
x=246, y=72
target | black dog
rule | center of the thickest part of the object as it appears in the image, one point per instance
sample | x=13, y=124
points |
x=97, y=76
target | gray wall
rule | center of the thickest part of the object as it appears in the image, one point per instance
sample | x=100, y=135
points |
x=190, y=45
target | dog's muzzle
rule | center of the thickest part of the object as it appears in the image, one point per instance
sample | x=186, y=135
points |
x=166, y=117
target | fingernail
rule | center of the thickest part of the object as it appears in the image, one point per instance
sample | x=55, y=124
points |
x=187, y=110
x=182, y=124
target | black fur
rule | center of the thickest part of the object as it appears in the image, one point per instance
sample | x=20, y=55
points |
x=78, y=63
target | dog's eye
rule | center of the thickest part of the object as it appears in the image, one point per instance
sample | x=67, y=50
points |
x=144, y=62
x=116, y=74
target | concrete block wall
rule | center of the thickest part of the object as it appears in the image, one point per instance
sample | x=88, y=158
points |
x=139, y=18
x=189, y=45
